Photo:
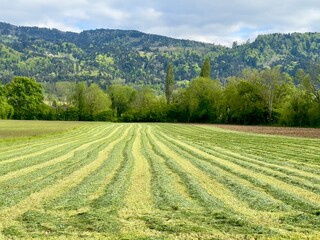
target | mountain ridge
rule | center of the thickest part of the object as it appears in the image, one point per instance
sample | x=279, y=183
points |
x=108, y=56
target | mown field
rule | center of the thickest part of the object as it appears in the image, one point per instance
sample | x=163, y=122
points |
x=158, y=181
x=12, y=129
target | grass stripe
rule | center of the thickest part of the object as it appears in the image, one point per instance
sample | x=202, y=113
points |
x=93, y=186
x=237, y=185
x=43, y=177
x=8, y=215
x=226, y=199
x=41, y=143
x=70, y=154
x=139, y=200
x=302, y=196
x=38, y=149
x=293, y=177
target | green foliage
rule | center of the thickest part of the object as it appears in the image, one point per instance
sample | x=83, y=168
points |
x=6, y=110
x=311, y=81
x=79, y=99
x=136, y=58
x=202, y=100
x=244, y=102
x=146, y=107
x=296, y=111
x=121, y=97
x=25, y=96
x=273, y=80
x=96, y=101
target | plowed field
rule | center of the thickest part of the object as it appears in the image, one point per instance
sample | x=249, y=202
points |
x=284, y=131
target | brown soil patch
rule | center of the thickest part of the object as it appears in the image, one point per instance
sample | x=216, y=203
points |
x=285, y=131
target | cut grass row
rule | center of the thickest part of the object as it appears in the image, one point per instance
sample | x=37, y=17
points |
x=21, y=130
x=255, y=144
x=245, y=167
x=299, y=178
x=92, y=160
x=239, y=145
x=29, y=164
x=159, y=181
x=38, y=176
x=299, y=199
x=32, y=148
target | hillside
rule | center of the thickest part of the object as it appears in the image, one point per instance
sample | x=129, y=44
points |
x=117, y=56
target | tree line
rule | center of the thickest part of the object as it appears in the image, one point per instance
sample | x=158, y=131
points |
x=265, y=97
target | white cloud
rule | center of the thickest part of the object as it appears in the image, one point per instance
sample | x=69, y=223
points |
x=102, y=10
x=53, y=24
x=205, y=20
x=76, y=14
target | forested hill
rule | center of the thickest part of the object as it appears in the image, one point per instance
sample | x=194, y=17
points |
x=105, y=56
x=117, y=56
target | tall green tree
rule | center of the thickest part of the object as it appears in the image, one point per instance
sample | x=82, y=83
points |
x=25, y=95
x=79, y=99
x=205, y=70
x=296, y=110
x=169, y=83
x=275, y=86
x=311, y=81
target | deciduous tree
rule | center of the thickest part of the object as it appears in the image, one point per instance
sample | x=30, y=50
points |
x=202, y=99
x=25, y=95
x=121, y=97
x=6, y=110
x=275, y=86
x=96, y=101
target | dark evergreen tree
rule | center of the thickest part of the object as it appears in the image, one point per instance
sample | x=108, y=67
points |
x=79, y=99
x=169, y=82
x=205, y=70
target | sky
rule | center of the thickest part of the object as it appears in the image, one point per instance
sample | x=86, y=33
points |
x=214, y=21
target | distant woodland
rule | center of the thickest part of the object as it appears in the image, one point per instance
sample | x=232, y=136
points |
x=115, y=75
